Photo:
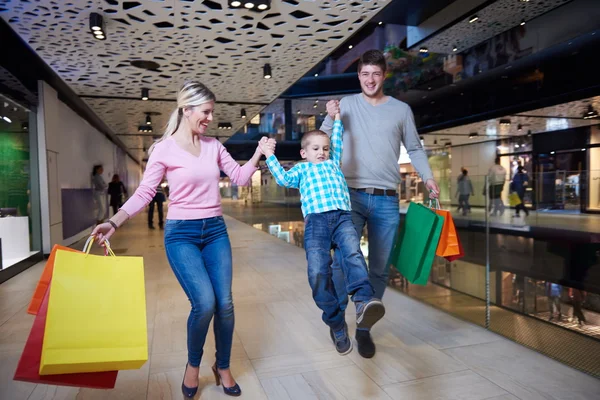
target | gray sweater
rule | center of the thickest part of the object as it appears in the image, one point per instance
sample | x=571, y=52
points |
x=372, y=140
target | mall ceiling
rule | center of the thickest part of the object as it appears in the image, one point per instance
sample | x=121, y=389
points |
x=225, y=48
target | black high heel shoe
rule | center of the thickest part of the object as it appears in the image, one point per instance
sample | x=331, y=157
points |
x=234, y=391
x=188, y=392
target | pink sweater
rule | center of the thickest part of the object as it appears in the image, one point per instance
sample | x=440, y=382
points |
x=193, y=181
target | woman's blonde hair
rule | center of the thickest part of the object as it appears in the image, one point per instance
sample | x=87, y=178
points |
x=191, y=94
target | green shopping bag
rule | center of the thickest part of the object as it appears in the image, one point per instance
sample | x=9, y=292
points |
x=416, y=243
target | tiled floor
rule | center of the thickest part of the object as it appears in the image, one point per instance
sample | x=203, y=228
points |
x=281, y=348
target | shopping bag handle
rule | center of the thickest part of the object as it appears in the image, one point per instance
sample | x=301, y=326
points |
x=434, y=204
x=87, y=247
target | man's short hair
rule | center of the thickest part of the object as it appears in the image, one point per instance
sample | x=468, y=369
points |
x=308, y=135
x=372, y=57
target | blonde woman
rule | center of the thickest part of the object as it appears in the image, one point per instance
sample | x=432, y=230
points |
x=196, y=239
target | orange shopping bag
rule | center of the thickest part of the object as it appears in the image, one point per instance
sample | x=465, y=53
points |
x=44, y=282
x=449, y=245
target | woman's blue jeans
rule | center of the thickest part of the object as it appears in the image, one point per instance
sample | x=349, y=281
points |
x=199, y=252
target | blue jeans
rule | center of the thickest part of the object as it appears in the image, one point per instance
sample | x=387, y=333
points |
x=381, y=214
x=324, y=231
x=200, y=255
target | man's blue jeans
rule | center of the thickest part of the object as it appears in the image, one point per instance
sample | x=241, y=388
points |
x=199, y=252
x=381, y=214
x=322, y=232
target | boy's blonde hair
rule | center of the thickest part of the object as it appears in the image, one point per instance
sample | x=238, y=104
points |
x=308, y=135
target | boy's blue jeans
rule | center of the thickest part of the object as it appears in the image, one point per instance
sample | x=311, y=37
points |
x=324, y=231
x=381, y=214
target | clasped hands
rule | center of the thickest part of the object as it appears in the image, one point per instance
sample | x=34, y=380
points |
x=267, y=146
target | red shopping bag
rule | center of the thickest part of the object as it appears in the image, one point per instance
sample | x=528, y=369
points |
x=44, y=282
x=29, y=364
x=461, y=252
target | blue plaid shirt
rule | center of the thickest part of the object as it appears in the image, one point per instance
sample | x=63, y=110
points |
x=322, y=186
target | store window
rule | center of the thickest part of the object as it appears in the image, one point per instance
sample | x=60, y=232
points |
x=20, y=227
x=594, y=174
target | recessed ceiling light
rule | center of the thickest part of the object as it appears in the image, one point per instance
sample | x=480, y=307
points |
x=455, y=49
x=7, y=119
x=473, y=19
x=522, y=22
x=236, y=3
x=243, y=113
x=249, y=5
x=350, y=46
x=100, y=37
x=316, y=75
x=262, y=6
x=148, y=120
x=380, y=23
x=423, y=50
x=145, y=94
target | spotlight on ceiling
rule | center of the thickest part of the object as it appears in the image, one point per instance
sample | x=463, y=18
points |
x=473, y=135
x=249, y=5
x=25, y=126
x=423, y=50
x=145, y=94
x=529, y=133
x=591, y=113
x=350, y=46
x=267, y=71
x=505, y=122
x=473, y=19
x=298, y=112
x=454, y=49
x=522, y=22
x=316, y=75
x=519, y=127
x=145, y=129
x=380, y=22
x=263, y=4
x=148, y=120
x=7, y=119
x=243, y=113
x=97, y=26
x=235, y=4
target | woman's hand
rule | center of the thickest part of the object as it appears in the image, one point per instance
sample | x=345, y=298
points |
x=103, y=232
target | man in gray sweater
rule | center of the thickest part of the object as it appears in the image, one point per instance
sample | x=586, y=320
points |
x=375, y=127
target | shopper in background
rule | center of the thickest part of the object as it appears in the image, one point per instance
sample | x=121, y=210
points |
x=99, y=189
x=158, y=199
x=464, y=191
x=496, y=181
x=518, y=185
x=116, y=191
x=196, y=239
x=554, y=295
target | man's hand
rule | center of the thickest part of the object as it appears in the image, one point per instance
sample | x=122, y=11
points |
x=434, y=190
x=333, y=108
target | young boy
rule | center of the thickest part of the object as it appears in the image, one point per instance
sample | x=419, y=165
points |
x=328, y=223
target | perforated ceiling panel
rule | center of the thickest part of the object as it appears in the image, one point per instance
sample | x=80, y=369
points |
x=494, y=19
x=204, y=40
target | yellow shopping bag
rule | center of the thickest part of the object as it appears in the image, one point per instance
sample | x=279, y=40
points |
x=514, y=199
x=96, y=314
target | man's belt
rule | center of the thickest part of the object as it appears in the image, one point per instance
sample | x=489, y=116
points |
x=376, y=192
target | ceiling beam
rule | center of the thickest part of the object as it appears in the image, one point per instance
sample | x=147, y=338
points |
x=246, y=103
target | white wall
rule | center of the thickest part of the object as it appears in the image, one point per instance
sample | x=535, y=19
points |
x=71, y=147
x=477, y=159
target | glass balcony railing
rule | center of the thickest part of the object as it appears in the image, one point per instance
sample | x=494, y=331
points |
x=534, y=279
